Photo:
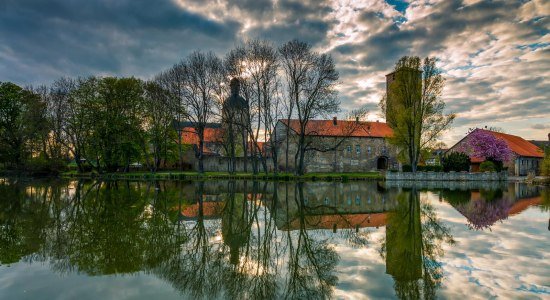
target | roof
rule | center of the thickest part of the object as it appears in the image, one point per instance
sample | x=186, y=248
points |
x=517, y=144
x=342, y=128
x=211, y=135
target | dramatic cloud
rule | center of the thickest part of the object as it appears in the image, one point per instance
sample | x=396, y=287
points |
x=494, y=54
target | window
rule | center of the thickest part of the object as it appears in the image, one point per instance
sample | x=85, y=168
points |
x=358, y=149
x=349, y=148
x=369, y=150
x=357, y=200
x=327, y=200
x=349, y=200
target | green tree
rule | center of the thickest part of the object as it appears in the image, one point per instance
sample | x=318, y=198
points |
x=413, y=106
x=159, y=105
x=23, y=124
x=456, y=161
x=117, y=112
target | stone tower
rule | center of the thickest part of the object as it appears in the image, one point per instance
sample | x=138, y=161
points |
x=411, y=77
x=234, y=122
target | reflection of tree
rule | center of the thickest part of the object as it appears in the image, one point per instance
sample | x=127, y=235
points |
x=413, y=244
x=311, y=262
x=484, y=212
x=22, y=222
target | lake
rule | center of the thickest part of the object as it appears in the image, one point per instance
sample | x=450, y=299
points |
x=270, y=240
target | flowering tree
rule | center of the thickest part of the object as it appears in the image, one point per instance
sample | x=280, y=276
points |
x=483, y=144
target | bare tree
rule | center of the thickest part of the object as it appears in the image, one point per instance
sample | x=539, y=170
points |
x=202, y=88
x=256, y=64
x=172, y=80
x=310, y=80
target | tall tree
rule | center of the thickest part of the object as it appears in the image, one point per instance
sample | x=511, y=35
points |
x=414, y=107
x=310, y=80
x=159, y=106
x=203, y=75
x=117, y=112
x=22, y=124
x=256, y=64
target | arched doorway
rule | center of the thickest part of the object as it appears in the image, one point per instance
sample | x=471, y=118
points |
x=382, y=163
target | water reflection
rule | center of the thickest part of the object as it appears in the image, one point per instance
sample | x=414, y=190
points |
x=244, y=239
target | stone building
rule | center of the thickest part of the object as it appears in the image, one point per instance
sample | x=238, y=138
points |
x=527, y=156
x=341, y=146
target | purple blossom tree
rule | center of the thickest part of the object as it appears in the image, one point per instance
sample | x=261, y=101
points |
x=483, y=144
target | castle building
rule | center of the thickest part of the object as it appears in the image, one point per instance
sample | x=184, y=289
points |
x=353, y=146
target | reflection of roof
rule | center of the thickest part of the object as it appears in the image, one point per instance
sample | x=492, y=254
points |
x=341, y=221
x=517, y=144
x=524, y=204
x=210, y=209
x=343, y=128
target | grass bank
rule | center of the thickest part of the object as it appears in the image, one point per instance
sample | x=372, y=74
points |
x=178, y=175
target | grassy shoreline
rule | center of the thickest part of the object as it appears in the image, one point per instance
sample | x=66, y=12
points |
x=189, y=175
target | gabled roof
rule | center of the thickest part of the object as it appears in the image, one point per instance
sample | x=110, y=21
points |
x=517, y=144
x=342, y=128
x=211, y=135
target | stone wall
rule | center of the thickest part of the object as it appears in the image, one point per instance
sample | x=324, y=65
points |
x=444, y=176
x=221, y=164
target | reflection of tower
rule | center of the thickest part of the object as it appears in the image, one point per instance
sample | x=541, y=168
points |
x=235, y=228
x=404, y=240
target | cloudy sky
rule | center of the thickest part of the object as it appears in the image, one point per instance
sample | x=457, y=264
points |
x=494, y=54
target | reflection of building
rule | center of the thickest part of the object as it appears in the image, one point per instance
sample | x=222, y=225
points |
x=483, y=208
x=347, y=146
x=527, y=156
x=331, y=205
x=337, y=221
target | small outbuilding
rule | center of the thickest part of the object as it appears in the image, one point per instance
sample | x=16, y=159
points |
x=527, y=157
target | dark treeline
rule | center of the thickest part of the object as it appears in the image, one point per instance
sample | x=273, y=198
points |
x=108, y=124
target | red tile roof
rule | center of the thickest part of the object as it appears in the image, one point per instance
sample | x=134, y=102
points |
x=518, y=145
x=343, y=128
x=211, y=135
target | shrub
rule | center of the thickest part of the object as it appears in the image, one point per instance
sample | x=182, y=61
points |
x=545, y=166
x=487, y=166
x=456, y=161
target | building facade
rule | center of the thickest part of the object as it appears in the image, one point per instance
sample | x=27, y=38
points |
x=527, y=156
x=337, y=146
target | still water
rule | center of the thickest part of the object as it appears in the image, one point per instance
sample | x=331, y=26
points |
x=263, y=240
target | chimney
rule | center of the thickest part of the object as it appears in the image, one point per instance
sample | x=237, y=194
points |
x=334, y=121
x=357, y=120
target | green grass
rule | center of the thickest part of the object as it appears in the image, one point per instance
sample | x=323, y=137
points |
x=180, y=175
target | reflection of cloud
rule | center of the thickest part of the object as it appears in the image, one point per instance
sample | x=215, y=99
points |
x=506, y=261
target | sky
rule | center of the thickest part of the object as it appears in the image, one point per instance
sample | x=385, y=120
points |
x=495, y=55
